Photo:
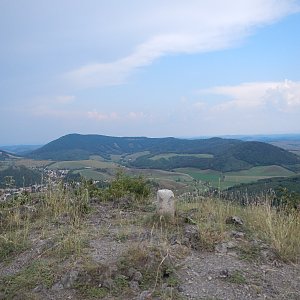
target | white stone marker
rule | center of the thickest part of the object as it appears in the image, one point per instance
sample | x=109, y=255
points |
x=165, y=202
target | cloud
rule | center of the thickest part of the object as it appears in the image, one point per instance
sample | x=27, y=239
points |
x=282, y=96
x=176, y=27
x=98, y=116
x=64, y=99
x=136, y=115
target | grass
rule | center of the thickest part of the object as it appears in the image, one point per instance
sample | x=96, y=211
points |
x=39, y=272
x=229, y=179
x=236, y=277
x=81, y=164
x=61, y=217
x=279, y=228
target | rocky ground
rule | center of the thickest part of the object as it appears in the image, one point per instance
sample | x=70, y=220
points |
x=128, y=254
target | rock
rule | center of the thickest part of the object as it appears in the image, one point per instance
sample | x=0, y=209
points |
x=137, y=276
x=145, y=295
x=223, y=247
x=224, y=273
x=69, y=279
x=2, y=296
x=165, y=202
x=57, y=286
x=131, y=272
x=180, y=289
x=237, y=234
x=37, y=289
x=192, y=237
x=134, y=285
x=234, y=220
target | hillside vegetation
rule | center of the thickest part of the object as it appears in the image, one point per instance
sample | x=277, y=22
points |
x=19, y=176
x=168, y=153
x=82, y=242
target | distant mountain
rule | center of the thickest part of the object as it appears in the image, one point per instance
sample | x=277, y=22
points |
x=224, y=154
x=4, y=155
x=20, y=149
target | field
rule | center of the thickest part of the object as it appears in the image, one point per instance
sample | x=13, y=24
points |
x=169, y=155
x=82, y=164
x=225, y=180
x=29, y=163
x=180, y=180
x=288, y=145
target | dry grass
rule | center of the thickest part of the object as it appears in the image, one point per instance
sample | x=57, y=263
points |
x=279, y=228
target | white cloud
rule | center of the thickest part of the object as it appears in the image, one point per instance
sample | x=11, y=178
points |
x=281, y=96
x=136, y=115
x=200, y=105
x=175, y=27
x=98, y=116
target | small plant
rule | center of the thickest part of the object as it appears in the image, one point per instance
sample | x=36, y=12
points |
x=236, y=277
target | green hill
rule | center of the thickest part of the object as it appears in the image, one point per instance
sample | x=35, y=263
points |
x=218, y=154
x=6, y=155
x=21, y=175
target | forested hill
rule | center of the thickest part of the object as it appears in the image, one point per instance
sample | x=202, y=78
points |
x=6, y=155
x=76, y=146
x=223, y=154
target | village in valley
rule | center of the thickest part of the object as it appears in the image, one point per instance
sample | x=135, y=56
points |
x=49, y=177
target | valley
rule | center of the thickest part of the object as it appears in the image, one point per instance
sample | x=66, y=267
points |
x=185, y=166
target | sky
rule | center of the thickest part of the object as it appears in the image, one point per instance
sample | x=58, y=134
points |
x=148, y=68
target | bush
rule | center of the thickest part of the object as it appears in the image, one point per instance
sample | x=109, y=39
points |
x=124, y=186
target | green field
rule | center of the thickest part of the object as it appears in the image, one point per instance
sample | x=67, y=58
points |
x=267, y=171
x=225, y=180
x=297, y=152
x=82, y=164
x=179, y=179
x=169, y=155
x=93, y=174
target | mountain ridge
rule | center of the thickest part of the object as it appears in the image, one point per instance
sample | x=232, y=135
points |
x=228, y=154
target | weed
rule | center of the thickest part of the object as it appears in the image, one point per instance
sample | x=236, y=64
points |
x=236, y=277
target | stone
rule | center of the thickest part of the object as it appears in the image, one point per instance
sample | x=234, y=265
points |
x=192, y=237
x=224, y=247
x=131, y=272
x=69, y=279
x=165, y=202
x=224, y=273
x=134, y=285
x=234, y=220
x=38, y=288
x=237, y=234
x=137, y=276
x=145, y=295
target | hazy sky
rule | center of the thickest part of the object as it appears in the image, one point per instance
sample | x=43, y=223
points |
x=148, y=68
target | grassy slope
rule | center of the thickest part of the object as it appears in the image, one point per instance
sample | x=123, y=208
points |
x=229, y=179
x=62, y=236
